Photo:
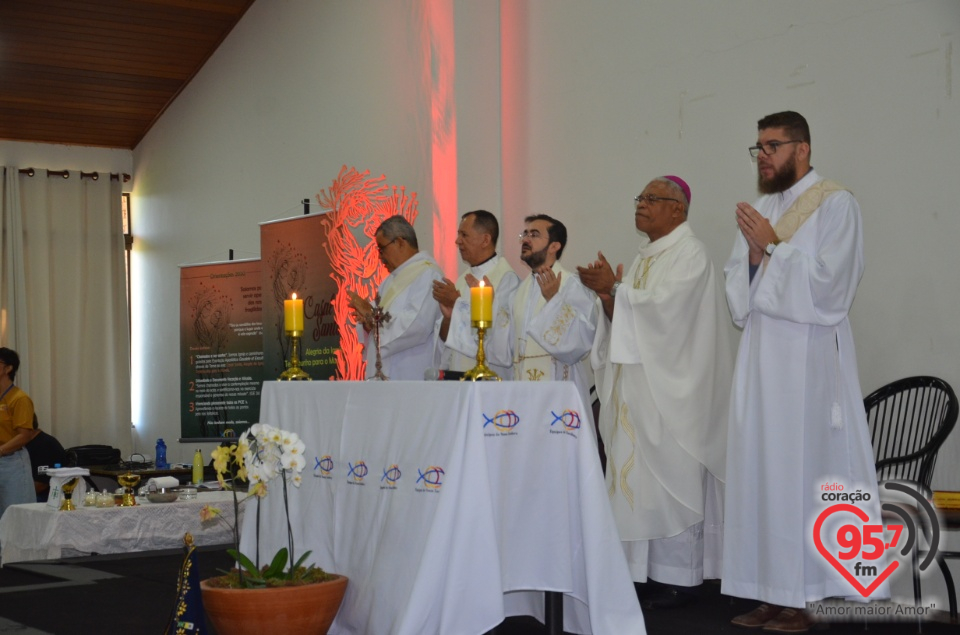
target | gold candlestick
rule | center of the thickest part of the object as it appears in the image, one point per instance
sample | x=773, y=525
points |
x=67, y=490
x=480, y=372
x=294, y=372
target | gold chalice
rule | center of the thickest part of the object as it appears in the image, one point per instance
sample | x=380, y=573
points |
x=129, y=481
x=67, y=490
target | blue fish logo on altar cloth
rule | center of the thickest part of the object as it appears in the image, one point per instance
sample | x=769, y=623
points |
x=432, y=478
x=503, y=420
x=391, y=475
x=323, y=466
x=356, y=471
x=570, y=419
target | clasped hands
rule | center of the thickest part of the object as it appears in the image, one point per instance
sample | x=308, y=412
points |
x=362, y=311
x=756, y=229
x=599, y=276
x=445, y=292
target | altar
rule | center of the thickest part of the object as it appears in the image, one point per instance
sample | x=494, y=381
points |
x=36, y=531
x=450, y=505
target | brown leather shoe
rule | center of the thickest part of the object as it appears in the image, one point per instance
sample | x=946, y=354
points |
x=789, y=621
x=757, y=617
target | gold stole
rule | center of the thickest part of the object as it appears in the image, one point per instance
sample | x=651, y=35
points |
x=532, y=362
x=802, y=208
x=402, y=280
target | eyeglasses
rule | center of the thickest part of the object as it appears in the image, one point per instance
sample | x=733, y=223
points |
x=650, y=199
x=382, y=248
x=769, y=148
x=532, y=234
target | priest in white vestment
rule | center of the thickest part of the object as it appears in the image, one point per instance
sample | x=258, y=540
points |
x=663, y=363
x=457, y=339
x=553, y=317
x=797, y=420
x=406, y=340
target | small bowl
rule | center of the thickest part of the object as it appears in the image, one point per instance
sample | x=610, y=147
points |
x=163, y=496
x=187, y=493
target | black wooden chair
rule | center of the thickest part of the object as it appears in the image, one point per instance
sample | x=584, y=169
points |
x=909, y=420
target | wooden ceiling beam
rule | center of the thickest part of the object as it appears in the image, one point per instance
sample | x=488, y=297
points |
x=100, y=72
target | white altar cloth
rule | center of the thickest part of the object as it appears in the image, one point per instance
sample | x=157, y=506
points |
x=36, y=532
x=450, y=505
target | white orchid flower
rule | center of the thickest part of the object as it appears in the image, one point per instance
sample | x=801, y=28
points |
x=297, y=448
x=275, y=436
x=294, y=462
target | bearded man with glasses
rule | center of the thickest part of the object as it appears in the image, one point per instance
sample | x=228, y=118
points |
x=553, y=317
x=796, y=412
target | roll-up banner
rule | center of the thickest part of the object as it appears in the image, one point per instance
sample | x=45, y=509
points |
x=221, y=348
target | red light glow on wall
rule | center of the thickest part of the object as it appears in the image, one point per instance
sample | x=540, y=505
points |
x=439, y=68
x=514, y=122
x=357, y=205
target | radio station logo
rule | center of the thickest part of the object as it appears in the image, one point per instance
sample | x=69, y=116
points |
x=430, y=479
x=356, y=472
x=323, y=466
x=568, y=420
x=390, y=477
x=502, y=423
x=866, y=553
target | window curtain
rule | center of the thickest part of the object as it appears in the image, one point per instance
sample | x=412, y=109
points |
x=63, y=303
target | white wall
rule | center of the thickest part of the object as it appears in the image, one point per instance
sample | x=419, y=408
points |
x=297, y=90
x=616, y=97
x=594, y=100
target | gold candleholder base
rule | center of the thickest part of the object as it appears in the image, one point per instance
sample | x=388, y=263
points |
x=67, y=490
x=294, y=372
x=481, y=372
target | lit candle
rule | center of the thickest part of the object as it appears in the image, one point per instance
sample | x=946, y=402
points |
x=481, y=303
x=293, y=314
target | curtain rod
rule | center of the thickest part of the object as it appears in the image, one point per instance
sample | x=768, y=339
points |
x=83, y=175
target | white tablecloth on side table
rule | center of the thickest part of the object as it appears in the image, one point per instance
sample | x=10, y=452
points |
x=37, y=532
x=450, y=505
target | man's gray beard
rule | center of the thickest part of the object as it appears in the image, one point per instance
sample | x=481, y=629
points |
x=535, y=259
x=782, y=179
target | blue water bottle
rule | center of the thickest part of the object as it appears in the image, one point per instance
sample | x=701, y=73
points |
x=161, y=462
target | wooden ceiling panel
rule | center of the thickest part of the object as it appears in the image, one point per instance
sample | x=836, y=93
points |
x=100, y=72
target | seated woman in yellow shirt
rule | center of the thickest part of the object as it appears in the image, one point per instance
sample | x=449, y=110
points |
x=16, y=429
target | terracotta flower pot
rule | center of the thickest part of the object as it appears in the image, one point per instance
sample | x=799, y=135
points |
x=296, y=609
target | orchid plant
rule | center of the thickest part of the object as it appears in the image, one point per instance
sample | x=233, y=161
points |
x=263, y=457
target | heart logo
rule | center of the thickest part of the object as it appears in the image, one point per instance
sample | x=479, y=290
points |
x=862, y=515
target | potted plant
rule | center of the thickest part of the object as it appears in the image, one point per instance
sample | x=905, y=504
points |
x=284, y=596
